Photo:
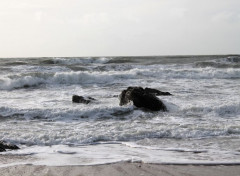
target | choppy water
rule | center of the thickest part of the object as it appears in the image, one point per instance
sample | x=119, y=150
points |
x=202, y=124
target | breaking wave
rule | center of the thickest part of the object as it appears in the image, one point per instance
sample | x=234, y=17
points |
x=25, y=80
x=36, y=79
x=36, y=106
x=70, y=121
x=63, y=132
x=74, y=61
x=189, y=73
x=229, y=62
x=228, y=110
x=65, y=114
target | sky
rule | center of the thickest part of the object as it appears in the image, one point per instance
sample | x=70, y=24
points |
x=71, y=28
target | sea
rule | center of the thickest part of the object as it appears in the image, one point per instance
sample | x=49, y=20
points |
x=201, y=124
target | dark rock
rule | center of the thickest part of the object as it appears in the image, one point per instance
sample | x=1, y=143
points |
x=4, y=145
x=143, y=98
x=81, y=99
x=156, y=92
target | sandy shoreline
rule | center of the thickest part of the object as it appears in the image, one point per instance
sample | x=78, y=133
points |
x=119, y=169
x=116, y=169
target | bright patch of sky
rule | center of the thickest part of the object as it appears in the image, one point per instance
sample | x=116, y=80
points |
x=118, y=27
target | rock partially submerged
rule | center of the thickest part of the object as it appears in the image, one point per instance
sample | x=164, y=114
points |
x=81, y=99
x=5, y=145
x=143, y=98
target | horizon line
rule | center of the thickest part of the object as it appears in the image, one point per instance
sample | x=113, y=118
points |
x=181, y=55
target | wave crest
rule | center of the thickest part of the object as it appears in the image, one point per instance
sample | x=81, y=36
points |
x=36, y=79
x=78, y=61
x=229, y=62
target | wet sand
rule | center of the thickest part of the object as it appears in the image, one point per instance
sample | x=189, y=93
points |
x=117, y=169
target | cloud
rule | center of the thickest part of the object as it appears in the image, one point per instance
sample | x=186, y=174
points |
x=178, y=12
x=118, y=27
x=39, y=15
x=227, y=16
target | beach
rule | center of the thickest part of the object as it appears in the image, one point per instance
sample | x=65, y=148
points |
x=198, y=134
x=110, y=87
x=116, y=169
x=120, y=169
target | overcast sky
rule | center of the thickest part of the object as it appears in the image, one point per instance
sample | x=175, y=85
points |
x=36, y=28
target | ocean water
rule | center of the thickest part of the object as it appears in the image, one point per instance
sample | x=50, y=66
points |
x=202, y=124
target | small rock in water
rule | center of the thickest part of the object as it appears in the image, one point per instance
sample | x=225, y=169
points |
x=4, y=145
x=81, y=99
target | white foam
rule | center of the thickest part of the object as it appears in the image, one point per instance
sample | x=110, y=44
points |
x=61, y=155
x=73, y=61
x=38, y=69
x=228, y=109
x=205, y=105
x=11, y=82
x=190, y=73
